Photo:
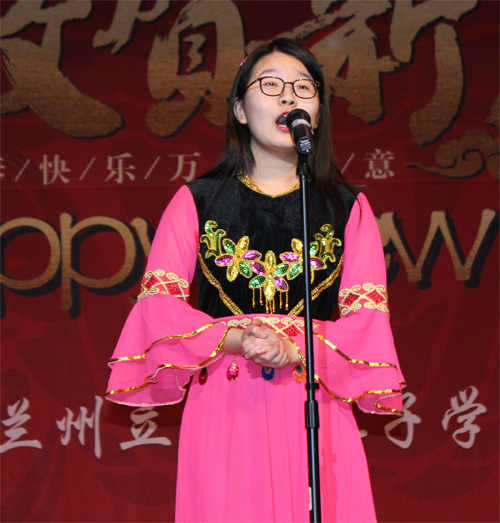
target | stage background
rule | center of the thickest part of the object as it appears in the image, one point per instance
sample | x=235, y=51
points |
x=110, y=106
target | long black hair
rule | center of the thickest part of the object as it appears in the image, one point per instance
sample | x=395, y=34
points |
x=237, y=155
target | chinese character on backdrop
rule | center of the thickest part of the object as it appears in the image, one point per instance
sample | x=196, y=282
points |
x=17, y=418
x=117, y=168
x=466, y=410
x=408, y=418
x=52, y=170
x=379, y=165
x=66, y=425
x=180, y=166
x=143, y=428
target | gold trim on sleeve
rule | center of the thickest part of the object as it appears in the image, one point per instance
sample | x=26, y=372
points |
x=172, y=366
x=351, y=360
x=361, y=396
x=162, y=282
x=301, y=356
x=191, y=367
x=350, y=400
x=173, y=337
x=369, y=296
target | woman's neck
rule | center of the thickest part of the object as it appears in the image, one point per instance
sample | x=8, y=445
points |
x=273, y=174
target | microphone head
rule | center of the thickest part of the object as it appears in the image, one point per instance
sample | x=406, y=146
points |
x=296, y=117
x=298, y=122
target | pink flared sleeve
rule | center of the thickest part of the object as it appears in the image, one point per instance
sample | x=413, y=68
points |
x=355, y=358
x=164, y=339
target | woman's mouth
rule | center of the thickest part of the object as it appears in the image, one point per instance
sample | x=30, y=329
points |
x=281, y=122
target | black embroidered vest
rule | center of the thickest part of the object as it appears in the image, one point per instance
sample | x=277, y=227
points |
x=250, y=250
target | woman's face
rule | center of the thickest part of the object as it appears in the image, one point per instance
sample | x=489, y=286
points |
x=265, y=115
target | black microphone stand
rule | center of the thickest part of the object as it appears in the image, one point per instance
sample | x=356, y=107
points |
x=311, y=405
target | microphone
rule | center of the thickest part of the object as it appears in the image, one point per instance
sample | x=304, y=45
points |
x=298, y=122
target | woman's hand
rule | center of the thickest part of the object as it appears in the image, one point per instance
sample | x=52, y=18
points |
x=266, y=348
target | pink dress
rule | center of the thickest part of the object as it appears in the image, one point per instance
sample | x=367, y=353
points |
x=242, y=450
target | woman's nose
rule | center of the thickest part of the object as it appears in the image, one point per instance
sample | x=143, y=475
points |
x=287, y=97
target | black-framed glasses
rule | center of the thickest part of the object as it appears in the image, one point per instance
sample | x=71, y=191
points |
x=274, y=86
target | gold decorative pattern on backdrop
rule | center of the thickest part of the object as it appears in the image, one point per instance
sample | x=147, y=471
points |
x=466, y=157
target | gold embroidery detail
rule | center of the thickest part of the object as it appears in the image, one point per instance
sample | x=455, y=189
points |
x=297, y=309
x=248, y=182
x=329, y=281
x=223, y=296
x=319, y=289
x=270, y=275
x=372, y=297
x=208, y=361
x=161, y=282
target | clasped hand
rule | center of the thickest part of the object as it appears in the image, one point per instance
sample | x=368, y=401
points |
x=264, y=347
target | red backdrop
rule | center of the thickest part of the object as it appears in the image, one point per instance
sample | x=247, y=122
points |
x=109, y=107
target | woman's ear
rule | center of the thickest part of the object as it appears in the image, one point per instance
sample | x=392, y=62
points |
x=239, y=111
x=317, y=118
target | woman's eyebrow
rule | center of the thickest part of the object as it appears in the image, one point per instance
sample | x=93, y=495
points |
x=302, y=73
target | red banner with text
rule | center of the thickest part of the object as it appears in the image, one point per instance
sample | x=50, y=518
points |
x=108, y=107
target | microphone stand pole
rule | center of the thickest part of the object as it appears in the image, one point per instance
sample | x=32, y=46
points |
x=311, y=405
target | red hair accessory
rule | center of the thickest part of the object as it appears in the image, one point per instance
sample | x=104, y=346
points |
x=246, y=57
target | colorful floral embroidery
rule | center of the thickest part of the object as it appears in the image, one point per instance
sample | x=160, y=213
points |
x=319, y=289
x=369, y=296
x=319, y=251
x=162, y=282
x=270, y=275
x=223, y=296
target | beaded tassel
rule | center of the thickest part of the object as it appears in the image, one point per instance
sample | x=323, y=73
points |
x=267, y=373
x=233, y=370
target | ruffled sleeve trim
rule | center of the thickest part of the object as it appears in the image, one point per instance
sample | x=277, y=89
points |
x=145, y=371
x=368, y=399
x=166, y=338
